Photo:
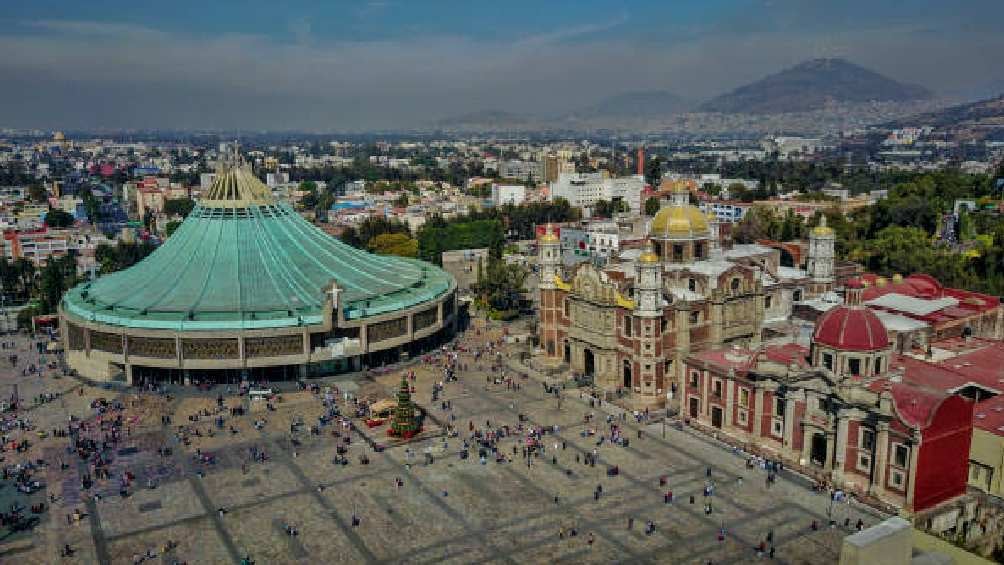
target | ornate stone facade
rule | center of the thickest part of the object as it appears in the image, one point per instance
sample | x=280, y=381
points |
x=631, y=324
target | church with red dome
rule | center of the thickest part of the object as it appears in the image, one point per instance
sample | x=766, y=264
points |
x=847, y=411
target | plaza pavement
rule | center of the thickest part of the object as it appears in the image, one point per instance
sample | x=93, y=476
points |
x=452, y=511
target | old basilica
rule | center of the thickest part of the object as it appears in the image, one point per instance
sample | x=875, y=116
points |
x=630, y=325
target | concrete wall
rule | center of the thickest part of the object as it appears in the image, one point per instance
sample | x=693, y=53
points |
x=98, y=365
x=887, y=543
x=988, y=451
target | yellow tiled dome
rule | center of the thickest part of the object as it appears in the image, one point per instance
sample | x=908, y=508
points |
x=679, y=221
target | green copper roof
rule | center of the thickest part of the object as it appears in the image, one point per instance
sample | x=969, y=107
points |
x=259, y=265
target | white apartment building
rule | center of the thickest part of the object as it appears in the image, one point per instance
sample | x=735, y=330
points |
x=725, y=210
x=523, y=170
x=503, y=194
x=275, y=179
x=585, y=189
x=603, y=238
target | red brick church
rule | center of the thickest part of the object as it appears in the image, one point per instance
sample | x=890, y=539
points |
x=846, y=410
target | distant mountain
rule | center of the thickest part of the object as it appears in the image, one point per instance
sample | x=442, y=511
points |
x=639, y=104
x=976, y=120
x=813, y=85
x=486, y=119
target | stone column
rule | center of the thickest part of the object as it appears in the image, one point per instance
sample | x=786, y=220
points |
x=881, y=459
x=706, y=394
x=912, y=473
x=363, y=338
x=830, y=441
x=789, y=421
x=841, y=447
x=128, y=374
x=759, y=315
x=804, y=457
x=758, y=412
x=717, y=318
x=729, y=402
x=683, y=329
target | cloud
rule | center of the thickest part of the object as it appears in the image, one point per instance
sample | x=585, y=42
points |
x=571, y=32
x=300, y=28
x=96, y=29
x=81, y=74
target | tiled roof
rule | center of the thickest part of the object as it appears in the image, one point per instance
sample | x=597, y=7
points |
x=249, y=265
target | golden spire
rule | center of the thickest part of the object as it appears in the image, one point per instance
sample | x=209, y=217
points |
x=822, y=229
x=648, y=254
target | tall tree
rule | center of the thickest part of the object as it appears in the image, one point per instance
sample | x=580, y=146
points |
x=652, y=206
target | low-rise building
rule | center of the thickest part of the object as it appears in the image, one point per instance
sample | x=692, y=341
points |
x=463, y=264
x=514, y=194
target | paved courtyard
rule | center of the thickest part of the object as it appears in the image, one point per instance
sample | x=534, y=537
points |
x=210, y=499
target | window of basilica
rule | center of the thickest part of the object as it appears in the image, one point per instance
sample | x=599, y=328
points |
x=103, y=341
x=273, y=346
x=75, y=337
x=387, y=329
x=211, y=348
x=155, y=347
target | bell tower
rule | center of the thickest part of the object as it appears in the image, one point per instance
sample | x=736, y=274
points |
x=648, y=290
x=820, y=260
x=551, y=296
x=549, y=258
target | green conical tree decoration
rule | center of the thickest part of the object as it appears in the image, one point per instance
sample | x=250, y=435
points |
x=405, y=422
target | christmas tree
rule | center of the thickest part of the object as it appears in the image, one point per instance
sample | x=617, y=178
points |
x=405, y=424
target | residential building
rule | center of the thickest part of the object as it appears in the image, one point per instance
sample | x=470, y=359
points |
x=585, y=189
x=503, y=194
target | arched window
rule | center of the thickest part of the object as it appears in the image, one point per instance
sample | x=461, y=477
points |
x=854, y=366
x=736, y=283
x=692, y=285
x=695, y=317
x=564, y=306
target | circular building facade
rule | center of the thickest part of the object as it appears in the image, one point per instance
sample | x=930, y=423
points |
x=246, y=288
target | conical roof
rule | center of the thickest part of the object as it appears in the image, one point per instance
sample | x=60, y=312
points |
x=242, y=260
x=237, y=187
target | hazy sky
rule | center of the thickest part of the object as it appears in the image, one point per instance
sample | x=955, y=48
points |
x=331, y=65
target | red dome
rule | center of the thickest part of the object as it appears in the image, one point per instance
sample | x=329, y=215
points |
x=854, y=329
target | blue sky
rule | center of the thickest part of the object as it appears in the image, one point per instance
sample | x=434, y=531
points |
x=386, y=63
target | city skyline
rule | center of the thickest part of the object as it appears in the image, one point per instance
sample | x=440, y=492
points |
x=381, y=65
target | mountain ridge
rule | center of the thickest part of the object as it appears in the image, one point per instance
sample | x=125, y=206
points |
x=813, y=85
